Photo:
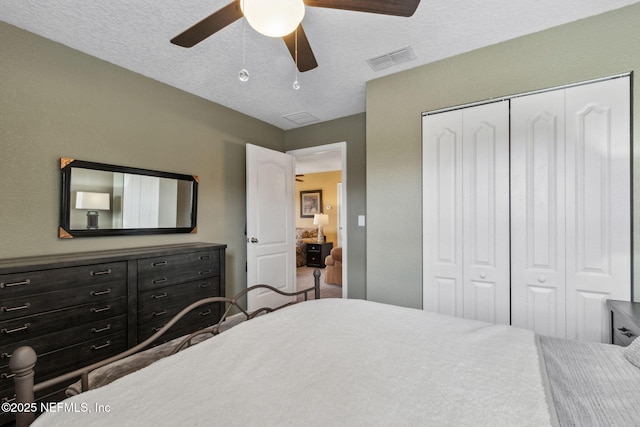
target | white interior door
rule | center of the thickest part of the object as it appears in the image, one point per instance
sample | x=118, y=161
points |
x=538, y=213
x=485, y=213
x=270, y=225
x=598, y=205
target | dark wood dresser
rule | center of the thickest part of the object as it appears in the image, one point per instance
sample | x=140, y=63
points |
x=625, y=321
x=77, y=309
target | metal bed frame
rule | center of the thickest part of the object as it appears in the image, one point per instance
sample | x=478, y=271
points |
x=23, y=359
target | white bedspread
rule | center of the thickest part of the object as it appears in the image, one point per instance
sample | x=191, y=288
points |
x=332, y=362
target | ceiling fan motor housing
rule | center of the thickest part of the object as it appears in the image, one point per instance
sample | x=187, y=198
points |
x=274, y=18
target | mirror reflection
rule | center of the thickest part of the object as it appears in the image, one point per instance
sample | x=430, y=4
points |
x=103, y=199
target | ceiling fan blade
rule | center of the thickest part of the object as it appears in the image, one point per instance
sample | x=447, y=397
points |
x=209, y=25
x=386, y=7
x=306, y=58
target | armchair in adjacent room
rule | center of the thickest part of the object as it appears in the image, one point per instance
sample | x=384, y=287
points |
x=333, y=271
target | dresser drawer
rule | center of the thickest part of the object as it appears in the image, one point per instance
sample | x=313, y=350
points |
x=169, y=270
x=314, y=247
x=70, y=358
x=64, y=338
x=200, y=318
x=28, y=327
x=31, y=304
x=625, y=321
x=50, y=394
x=174, y=298
x=314, y=259
x=41, y=281
x=624, y=330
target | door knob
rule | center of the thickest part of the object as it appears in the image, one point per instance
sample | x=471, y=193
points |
x=254, y=240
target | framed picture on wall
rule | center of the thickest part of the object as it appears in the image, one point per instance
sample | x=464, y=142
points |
x=310, y=203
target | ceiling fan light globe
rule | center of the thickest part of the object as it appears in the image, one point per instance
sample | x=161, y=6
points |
x=273, y=18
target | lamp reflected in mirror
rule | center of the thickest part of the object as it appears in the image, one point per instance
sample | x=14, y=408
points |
x=93, y=202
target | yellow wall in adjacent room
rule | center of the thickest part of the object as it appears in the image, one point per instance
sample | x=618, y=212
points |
x=328, y=183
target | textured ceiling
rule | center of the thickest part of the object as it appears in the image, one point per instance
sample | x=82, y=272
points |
x=135, y=34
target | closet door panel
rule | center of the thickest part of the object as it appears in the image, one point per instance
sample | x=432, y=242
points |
x=442, y=212
x=598, y=205
x=538, y=213
x=486, y=212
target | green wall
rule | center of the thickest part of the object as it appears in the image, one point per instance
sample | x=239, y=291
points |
x=57, y=102
x=352, y=131
x=596, y=47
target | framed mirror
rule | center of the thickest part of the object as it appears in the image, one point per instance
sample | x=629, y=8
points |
x=107, y=200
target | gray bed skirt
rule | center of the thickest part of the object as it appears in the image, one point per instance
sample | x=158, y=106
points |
x=591, y=384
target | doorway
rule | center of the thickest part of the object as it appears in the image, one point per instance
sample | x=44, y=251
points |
x=327, y=158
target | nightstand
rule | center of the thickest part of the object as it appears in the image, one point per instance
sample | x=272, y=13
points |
x=625, y=321
x=317, y=252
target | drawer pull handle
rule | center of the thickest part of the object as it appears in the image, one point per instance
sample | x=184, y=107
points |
x=20, y=307
x=205, y=285
x=205, y=257
x=7, y=400
x=10, y=285
x=202, y=273
x=157, y=328
x=98, y=293
x=106, y=328
x=100, y=273
x=159, y=313
x=100, y=310
x=5, y=375
x=98, y=347
x=162, y=295
x=158, y=264
x=205, y=313
x=6, y=356
x=18, y=329
x=156, y=281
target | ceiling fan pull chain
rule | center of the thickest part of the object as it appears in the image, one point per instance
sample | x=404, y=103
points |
x=243, y=74
x=296, y=84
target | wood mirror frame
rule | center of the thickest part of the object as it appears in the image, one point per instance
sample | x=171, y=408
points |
x=151, y=202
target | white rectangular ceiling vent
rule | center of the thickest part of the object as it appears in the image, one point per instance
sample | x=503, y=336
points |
x=301, y=118
x=392, y=58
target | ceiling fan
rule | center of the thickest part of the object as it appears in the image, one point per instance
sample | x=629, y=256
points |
x=304, y=57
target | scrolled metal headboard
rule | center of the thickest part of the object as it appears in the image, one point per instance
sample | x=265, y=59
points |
x=23, y=359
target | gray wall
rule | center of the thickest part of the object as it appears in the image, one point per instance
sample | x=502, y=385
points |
x=352, y=130
x=57, y=102
x=587, y=49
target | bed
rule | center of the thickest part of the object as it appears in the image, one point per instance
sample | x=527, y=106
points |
x=360, y=363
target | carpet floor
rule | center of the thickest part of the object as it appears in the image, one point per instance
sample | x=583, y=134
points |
x=304, y=280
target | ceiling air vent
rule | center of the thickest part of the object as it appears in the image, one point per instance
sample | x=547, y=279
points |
x=392, y=58
x=301, y=118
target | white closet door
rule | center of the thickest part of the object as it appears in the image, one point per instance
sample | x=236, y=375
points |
x=442, y=213
x=598, y=205
x=538, y=213
x=486, y=212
